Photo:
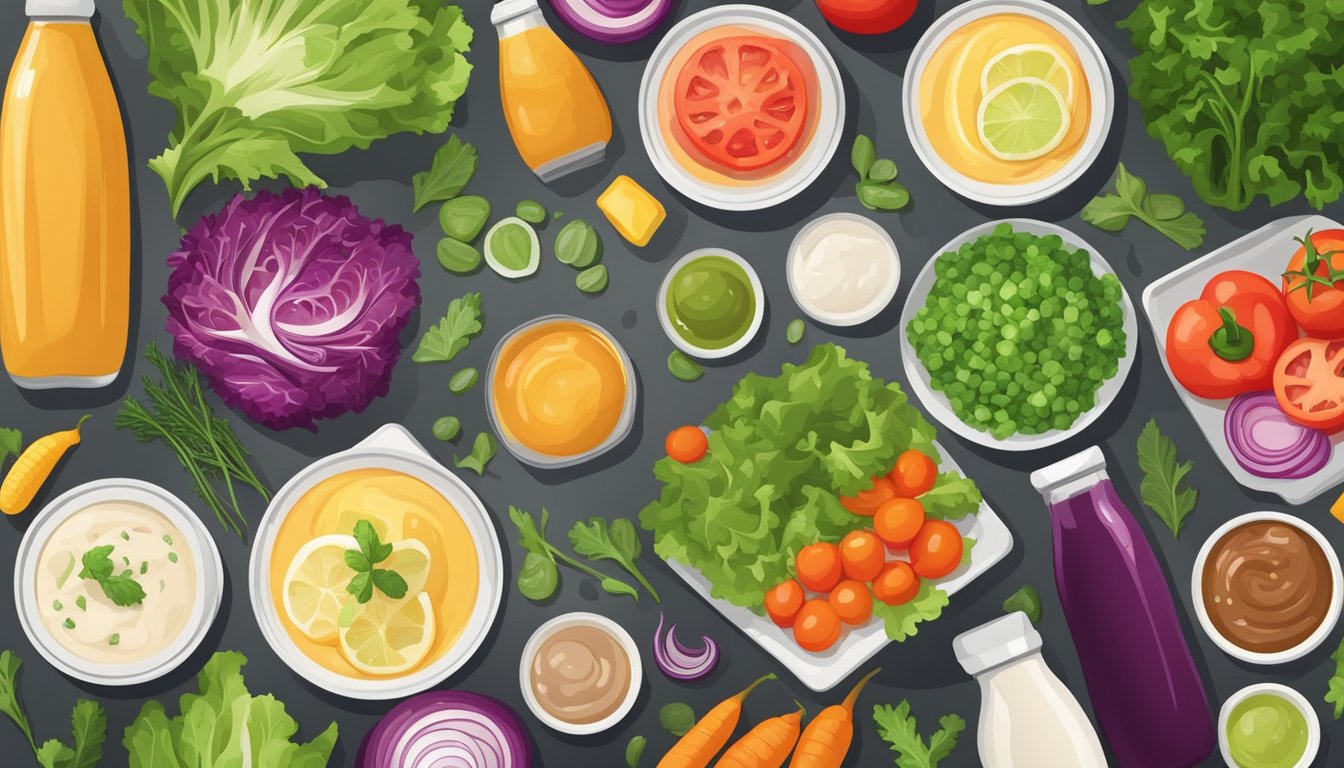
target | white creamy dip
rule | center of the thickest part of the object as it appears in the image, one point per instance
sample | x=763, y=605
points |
x=147, y=549
x=843, y=269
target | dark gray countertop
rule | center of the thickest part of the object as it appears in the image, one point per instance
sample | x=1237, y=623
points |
x=923, y=669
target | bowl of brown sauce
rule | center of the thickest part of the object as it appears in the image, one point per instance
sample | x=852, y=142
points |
x=580, y=673
x=1267, y=587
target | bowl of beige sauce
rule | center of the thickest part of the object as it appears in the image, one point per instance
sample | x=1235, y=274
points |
x=580, y=673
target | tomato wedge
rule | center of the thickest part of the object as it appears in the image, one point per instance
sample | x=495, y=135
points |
x=1309, y=383
x=742, y=102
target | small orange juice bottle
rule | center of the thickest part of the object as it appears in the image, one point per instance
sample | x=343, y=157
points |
x=556, y=113
x=65, y=208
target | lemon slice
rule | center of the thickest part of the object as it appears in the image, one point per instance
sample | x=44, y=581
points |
x=1043, y=62
x=388, y=637
x=1022, y=119
x=314, y=587
x=409, y=558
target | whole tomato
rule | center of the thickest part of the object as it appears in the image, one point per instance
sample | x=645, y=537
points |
x=1313, y=284
x=867, y=17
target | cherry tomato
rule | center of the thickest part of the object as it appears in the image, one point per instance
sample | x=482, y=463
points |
x=852, y=601
x=898, y=521
x=817, y=627
x=742, y=102
x=868, y=501
x=1317, y=306
x=687, y=444
x=867, y=17
x=783, y=601
x=936, y=551
x=818, y=566
x=862, y=555
x=914, y=474
x=1309, y=383
x=896, y=584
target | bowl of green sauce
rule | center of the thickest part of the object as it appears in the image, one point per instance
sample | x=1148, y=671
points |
x=1268, y=725
x=711, y=303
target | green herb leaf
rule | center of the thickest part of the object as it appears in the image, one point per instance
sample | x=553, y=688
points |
x=463, y=218
x=634, y=750
x=442, y=342
x=794, y=333
x=452, y=168
x=123, y=589
x=530, y=211
x=509, y=244
x=447, y=428
x=463, y=381
x=1163, y=476
x=483, y=449
x=539, y=576
x=88, y=726
x=1164, y=213
x=53, y=754
x=10, y=664
x=863, y=155
x=1335, y=691
x=676, y=718
x=1027, y=600
x=901, y=732
x=372, y=550
x=457, y=257
x=361, y=586
x=888, y=196
x=578, y=244
x=390, y=583
x=882, y=170
x=619, y=542
x=952, y=497
x=683, y=367
x=592, y=279
x=11, y=443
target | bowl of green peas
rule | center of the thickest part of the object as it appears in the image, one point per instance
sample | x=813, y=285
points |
x=1018, y=335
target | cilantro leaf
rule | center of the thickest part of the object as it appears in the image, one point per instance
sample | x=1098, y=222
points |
x=452, y=168
x=539, y=576
x=596, y=540
x=1335, y=692
x=1163, y=475
x=53, y=754
x=442, y=342
x=10, y=664
x=1164, y=213
x=901, y=732
x=11, y=442
x=88, y=725
x=122, y=589
x=483, y=449
x=97, y=563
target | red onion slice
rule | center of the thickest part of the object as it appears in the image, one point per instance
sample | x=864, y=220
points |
x=1266, y=443
x=447, y=729
x=679, y=661
x=613, y=21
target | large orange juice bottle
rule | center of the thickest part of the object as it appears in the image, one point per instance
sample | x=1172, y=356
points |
x=65, y=207
x=556, y=113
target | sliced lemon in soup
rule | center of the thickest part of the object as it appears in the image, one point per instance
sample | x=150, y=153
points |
x=388, y=637
x=409, y=558
x=1022, y=119
x=314, y=588
x=1031, y=60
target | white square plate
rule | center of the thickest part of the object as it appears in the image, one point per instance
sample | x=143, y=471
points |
x=822, y=671
x=1264, y=252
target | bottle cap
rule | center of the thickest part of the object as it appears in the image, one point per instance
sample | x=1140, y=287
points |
x=78, y=9
x=1081, y=464
x=511, y=9
x=996, y=643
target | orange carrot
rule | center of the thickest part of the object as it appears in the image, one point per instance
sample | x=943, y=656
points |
x=826, y=741
x=703, y=742
x=767, y=745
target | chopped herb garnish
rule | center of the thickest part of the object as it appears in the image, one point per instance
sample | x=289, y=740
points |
x=56, y=605
x=114, y=639
x=81, y=603
x=144, y=567
x=167, y=539
x=172, y=557
x=362, y=561
x=69, y=624
x=125, y=536
x=122, y=589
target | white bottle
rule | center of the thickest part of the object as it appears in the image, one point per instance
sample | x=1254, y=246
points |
x=1028, y=719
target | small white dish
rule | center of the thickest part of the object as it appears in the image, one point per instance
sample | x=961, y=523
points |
x=1284, y=692
x=936, y=403
x=1095, y=69
x=580, y=619
x=390, y=447
x=1264, y=252
x=534, y=458
x=790, y=181
x=862, y=314
x=209, y=581
x=1315, y=639
x=757, y=317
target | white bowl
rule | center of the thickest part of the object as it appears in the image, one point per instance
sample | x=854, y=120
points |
x=1283, y=691
x=209, y=581
x=581, y=619
x=390, y=447
x=1313, y=640
x=936, y=403
x=1095, y=69
x=618, y=433
x=803, y=170
x=863, y=314
x=757, y=318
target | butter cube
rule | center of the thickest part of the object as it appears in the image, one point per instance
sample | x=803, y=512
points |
x=634, y=212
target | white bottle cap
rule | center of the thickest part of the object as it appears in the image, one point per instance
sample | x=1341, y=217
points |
x=79, y=9
x=1081, y=464
x=996, y=643
x=511, y=9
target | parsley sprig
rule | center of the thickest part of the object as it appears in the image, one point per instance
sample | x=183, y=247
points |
x=122, y=589
x=363, y=561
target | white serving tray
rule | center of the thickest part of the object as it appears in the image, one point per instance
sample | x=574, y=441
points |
x=1264, y=252
x=822, y=671
x=936, y=402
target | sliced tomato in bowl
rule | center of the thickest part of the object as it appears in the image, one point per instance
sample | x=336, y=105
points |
x=742, y=102
x=1309, y=383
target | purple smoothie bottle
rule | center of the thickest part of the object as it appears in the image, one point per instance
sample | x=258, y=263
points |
x=1143, y=684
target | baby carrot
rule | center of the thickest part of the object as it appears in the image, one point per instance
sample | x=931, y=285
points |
x=767, y=745
x=826, y=741
x=703, y=742
x=33, y=467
